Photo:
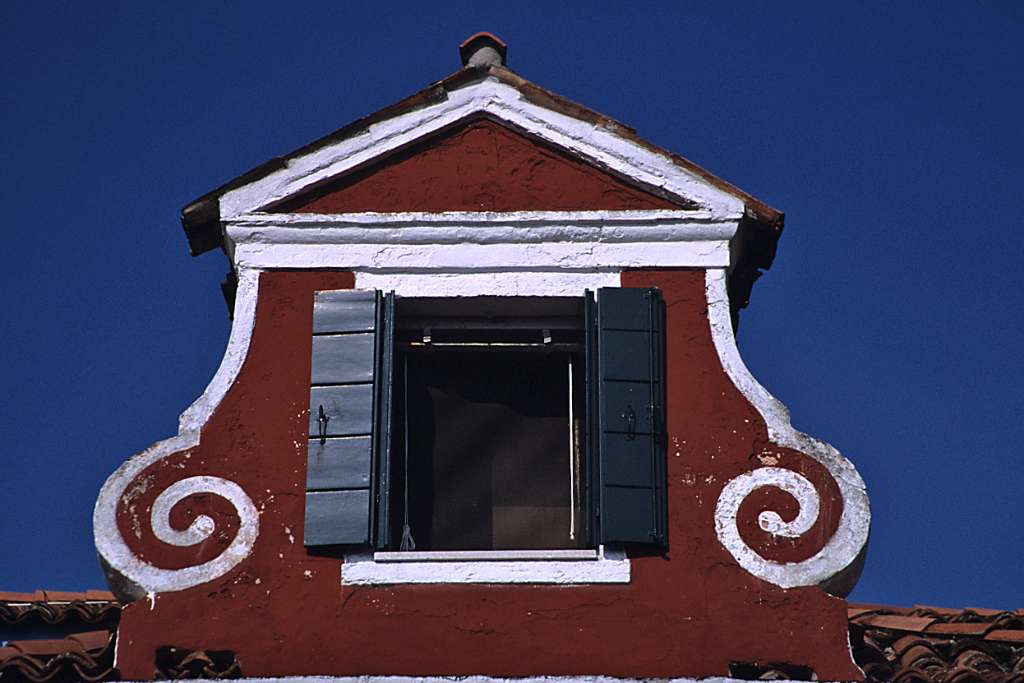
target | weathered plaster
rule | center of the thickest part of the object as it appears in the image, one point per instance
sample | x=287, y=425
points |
x=470, y=241
x=844, y=548
x=494, y=283
x=550, y=256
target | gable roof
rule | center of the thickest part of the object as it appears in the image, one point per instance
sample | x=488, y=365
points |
x=202, y=217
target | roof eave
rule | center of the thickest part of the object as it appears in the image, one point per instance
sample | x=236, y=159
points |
x=201, y=217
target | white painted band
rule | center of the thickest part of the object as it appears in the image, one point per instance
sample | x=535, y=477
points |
x=624, y=218
x=611, y=566
x=497, y=283
x=465, y=257
x=845, y=546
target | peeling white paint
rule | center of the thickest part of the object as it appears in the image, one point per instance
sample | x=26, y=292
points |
x=464, y=257
x=506, y=283
x=842, y=550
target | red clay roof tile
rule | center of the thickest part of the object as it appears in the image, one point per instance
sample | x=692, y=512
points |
x=963, y=628
x=1006, y=635
x=83, y=657
x=957, y=646
x=897, y=622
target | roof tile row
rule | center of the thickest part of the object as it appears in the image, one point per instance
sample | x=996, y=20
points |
x=58, y=607
x=925, y=644
x=79, y=657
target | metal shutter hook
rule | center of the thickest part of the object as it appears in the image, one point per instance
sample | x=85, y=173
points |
x=322, y=425
x=630, y=416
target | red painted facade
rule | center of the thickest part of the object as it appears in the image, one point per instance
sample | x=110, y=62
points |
x=480, y=166
x=283, y=610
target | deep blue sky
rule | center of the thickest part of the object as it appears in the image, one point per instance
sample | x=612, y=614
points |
x=890, y=323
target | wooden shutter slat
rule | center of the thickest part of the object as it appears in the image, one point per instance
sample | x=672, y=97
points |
x=625, y=355
x=342, y=358
x=342, y=373
x=622, y=399
x=627, y=461
x=344, y=310
x=339, y=463
x=336, y=517
x=349, y=409
x=631, y=520
x=630, y=407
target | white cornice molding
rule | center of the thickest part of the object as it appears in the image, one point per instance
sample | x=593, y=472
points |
x=483, y=241
x=449, y=258
x=593, y=143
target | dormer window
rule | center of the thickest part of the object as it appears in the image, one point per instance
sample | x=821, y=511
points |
x=486, y=423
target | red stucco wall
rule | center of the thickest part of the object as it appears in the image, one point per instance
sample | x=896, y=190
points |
x=284, y=611
x=481, y=166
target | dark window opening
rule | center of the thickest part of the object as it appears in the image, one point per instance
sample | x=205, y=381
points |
x=489, y=398
x=532, y=422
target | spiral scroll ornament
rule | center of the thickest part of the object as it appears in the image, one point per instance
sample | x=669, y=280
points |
x=727, y=514
x=144, y=578
x=836, y=565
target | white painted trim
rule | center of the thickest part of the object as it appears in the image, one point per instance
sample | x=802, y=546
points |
x=483, y=555
x=493, y=283
x=843, y=549
x=596, y=144
x=395, y=229
x=612, y=566
x=134, y=575
x=488, y=257
x=472, y=241
x=243, y=320
x=491, y=219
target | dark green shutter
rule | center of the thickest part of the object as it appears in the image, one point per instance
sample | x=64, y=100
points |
x=382, y=447
x=631, y=416
x=342, y=406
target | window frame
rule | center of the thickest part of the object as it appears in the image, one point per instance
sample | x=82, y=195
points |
x=600, y=562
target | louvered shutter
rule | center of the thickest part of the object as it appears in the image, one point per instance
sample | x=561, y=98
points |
x=630, y=385
x=342, y=406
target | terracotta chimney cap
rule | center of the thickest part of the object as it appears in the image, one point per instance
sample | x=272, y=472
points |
x=483, y=49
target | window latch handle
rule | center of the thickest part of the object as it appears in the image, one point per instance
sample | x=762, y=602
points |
x=321, y=421
x=630, y=416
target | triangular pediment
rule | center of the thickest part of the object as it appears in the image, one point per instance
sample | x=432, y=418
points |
x=477, y=165
x=474, y=143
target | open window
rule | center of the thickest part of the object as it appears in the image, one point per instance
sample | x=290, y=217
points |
x=487, y=423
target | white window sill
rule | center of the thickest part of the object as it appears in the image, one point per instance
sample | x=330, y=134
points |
x=560, y=567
